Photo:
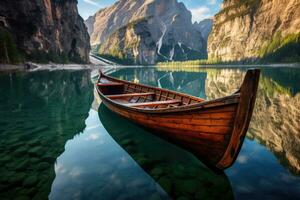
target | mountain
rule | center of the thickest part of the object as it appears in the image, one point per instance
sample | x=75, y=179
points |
x=204, y=27
x=255, y=29
x=146, y=31
x=42, y=30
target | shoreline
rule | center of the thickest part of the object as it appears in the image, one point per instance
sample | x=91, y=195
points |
x=32, y=67
x=99, y=64
x=110, y=68
x=170, y=64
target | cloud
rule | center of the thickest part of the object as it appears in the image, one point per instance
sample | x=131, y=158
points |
x=92, y=2
x=200, y=13
x=59, y=169
x=212, y=2
x=242, y=159
x=75, y=172
x=92, y=137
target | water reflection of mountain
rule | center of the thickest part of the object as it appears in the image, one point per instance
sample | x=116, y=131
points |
x=39, y=112
x=179, y=173
x=276, y=119
x=191, y=83
x=287, y=78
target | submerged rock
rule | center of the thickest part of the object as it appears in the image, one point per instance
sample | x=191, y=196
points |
x=190, y=186
x=154, y=197
x=36, y=151
x=30, y=181
x=22, y=198
x=22, y=166
x=34, y=160
x=5, y=159
x=28, y=192
x=165, y=183
x=183, y=198
x=42, y=166
x=21, y=151
x=179, y=171
x=156, y=172
x=127, y=142
x=49, y=159
x=16, y=179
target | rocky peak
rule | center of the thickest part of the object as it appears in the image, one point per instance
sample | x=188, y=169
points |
x=170, y=27
x=204, y=27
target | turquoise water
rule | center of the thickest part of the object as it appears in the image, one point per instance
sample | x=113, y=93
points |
x=55, y=143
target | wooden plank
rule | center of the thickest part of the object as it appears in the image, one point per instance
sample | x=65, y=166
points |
x=186, y=116
x=208, y=122
x=222, y=130
x=212, y=110
x=152, y=103
x=109, y=84
x=117, y=96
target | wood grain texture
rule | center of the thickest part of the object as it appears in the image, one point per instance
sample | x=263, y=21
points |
x=212, y=130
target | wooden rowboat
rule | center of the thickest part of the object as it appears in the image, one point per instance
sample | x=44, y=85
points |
x=212, y=130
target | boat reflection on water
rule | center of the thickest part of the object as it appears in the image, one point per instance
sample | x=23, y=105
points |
x=178, y=172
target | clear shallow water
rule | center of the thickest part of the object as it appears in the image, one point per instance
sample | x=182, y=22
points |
x=53, y=142
x=94, y=166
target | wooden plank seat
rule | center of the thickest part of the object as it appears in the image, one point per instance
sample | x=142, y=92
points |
x=110, y=84
x=153, y=103
x=119, y=96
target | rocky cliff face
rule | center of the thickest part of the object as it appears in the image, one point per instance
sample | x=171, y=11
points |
x=204, y=27
x=46, y=29
x=153, y=30
x=251, y=29
x=133, y=43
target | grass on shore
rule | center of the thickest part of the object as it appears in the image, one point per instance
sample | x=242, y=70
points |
x=282, y=49
x=200, y=62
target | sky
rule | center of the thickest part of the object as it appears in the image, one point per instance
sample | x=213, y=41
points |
x=200, y=9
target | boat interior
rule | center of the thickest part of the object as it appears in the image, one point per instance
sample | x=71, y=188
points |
x=140, y=96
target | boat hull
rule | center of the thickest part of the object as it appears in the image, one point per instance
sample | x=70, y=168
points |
x=204, y=132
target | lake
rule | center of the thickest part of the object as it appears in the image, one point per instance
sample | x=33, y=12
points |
x=56, y=143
